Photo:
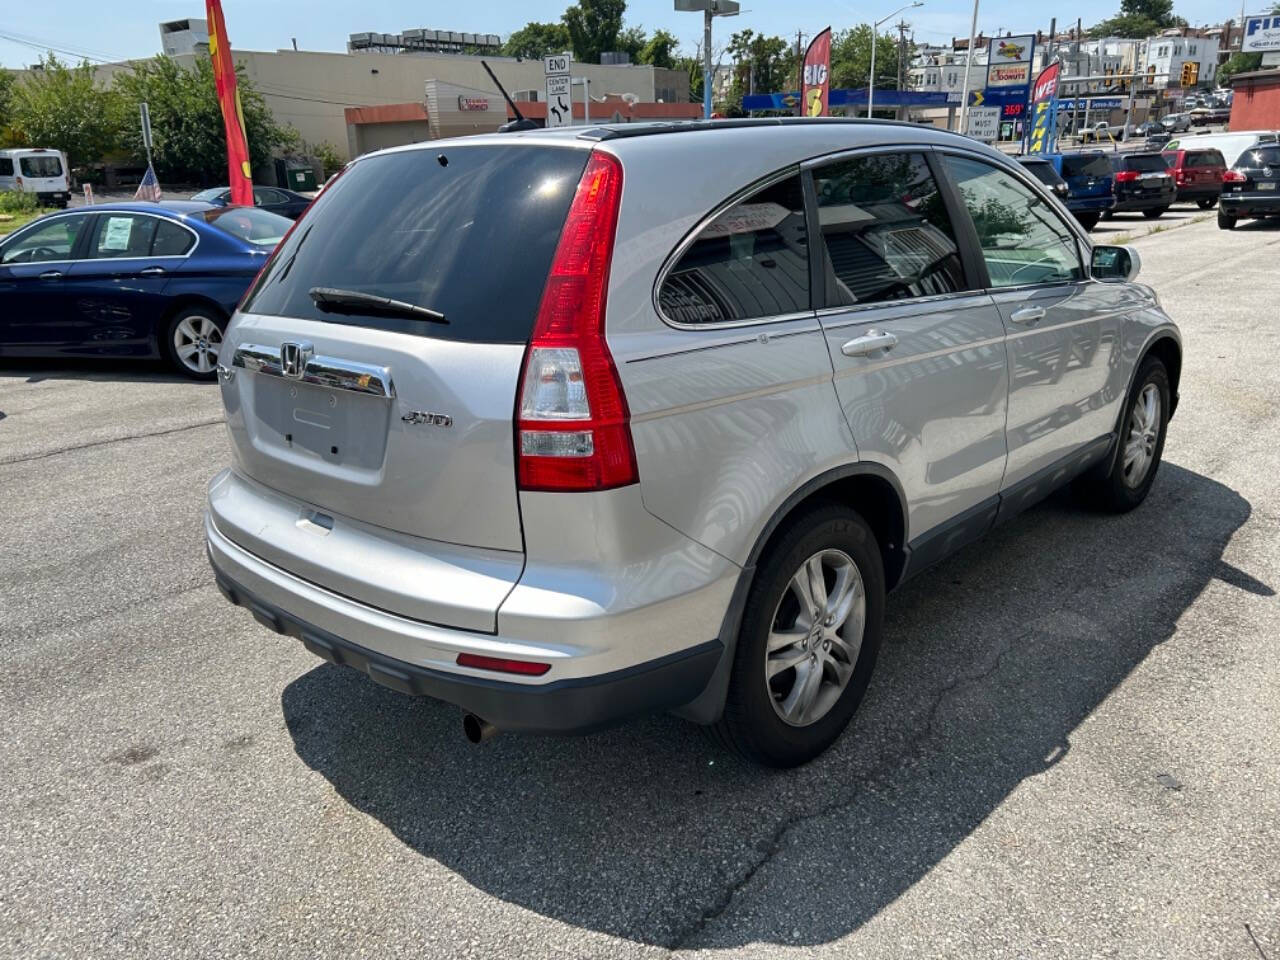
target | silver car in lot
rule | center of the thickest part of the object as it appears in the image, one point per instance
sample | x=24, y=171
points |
x=567, y=426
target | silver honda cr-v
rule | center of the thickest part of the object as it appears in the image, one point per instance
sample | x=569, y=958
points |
x=562, y=427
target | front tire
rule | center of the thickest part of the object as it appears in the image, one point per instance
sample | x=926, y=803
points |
x=1156, y=213
x=808, y=642
x=1208, y=203
x=1225, y=221
x=1123, y=481
x=192, y=340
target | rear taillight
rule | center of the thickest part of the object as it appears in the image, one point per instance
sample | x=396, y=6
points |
x=572, y=424
x=1126, y=176
x=1179, y=175
x=1234, y=176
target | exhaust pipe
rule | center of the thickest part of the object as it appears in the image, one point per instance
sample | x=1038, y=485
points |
x=477, y=730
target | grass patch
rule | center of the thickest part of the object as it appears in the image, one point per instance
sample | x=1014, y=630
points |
x=10, y=222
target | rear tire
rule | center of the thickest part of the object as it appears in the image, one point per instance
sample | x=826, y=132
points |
x=1122, y=482
x=1225, y=221
x=1208, y=203
x=192, y=339
x=1087, y=220
x=1156, y=213
x=798, y=676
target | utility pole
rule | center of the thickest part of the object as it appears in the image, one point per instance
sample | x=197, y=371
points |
x=800, y=71
x=902, y=65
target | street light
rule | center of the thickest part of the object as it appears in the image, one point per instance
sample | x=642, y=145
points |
x=709, y=9
x=875, y=34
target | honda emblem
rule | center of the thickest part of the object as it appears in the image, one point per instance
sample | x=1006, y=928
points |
x=293, y=359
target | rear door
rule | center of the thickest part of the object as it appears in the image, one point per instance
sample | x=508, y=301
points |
x=392, y=419
x=1065, y=376
x=918, y=348
x=42, y=172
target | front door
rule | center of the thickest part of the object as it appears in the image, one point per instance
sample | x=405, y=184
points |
x=918, y=347
x=1066, y=375
x=35, y=298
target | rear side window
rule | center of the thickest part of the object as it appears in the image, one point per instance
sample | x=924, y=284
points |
x=1089, y=165
x=123, y=236
x=1043, y=172
x=1146, y=163
x=1204, y=158
x=6, y=167
x=467, y=231
x=885, y=230
x=749, y=263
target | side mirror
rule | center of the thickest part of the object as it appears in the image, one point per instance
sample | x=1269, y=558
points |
x=1115, y=263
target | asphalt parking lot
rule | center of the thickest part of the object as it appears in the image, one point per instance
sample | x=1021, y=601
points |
x=1069, y=748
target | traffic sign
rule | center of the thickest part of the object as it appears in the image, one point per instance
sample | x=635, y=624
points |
x=556, y=63
x=984, y=123
x=559, y=101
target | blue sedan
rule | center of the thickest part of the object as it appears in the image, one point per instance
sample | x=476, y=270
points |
x=132, y=280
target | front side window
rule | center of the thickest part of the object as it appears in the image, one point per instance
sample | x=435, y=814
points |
x=1023, y=240
x=46, y=166
x=885, y=230
x=749, y=263
x=54, y=241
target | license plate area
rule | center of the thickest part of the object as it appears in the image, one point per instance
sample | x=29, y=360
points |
x=322, y=425
x=1267, y=185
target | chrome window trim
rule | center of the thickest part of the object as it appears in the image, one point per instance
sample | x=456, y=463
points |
x=673, y=258
x=855, y=311
x=86, y=213
x=334, y=372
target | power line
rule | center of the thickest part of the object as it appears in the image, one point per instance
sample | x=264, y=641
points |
x=36, y=43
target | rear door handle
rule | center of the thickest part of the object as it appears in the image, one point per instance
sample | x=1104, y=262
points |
x=872, y=341
x=51, y=275
x=151, y=271
x=1028, y=316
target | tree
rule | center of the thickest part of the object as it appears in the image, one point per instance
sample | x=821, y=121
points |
x=1239, y=63
x=851, y=59
x=594, y=26
x=660, y=50
x=535, y=40
x=1138, y=19
x=6, y=106
x=60, y=106
x=631, y=41
x=189, y=139
x=760, y=63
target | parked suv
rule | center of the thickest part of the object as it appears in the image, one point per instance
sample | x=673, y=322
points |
x=1197, y=174
x=1143, y=183
x=1251, y=189
x=524, y=423
x=1090, y=184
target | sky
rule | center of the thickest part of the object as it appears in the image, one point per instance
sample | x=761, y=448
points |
x=80, y=26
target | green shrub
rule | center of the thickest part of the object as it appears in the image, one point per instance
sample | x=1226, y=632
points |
x=16, y=201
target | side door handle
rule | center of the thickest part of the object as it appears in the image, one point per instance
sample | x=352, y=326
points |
x=151, y=272
x=869, y=343
x=1027, y=316
x=51, y=275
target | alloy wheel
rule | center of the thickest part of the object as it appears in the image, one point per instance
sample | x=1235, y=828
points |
x=815, y=637
x=1143, y=432
x=196, y=341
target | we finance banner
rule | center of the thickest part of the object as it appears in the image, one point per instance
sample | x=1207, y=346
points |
x=1043, y=132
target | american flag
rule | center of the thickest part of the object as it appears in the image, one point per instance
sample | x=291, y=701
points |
x=149, y=188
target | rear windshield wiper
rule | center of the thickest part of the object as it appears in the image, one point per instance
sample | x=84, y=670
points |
x=337, y=300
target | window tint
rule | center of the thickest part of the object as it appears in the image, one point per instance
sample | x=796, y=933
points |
x=750, y=262
x=1146, y=163
x=468, y=231
x=1086, y=165
x=1205, y=158
x=123, y=235
x=53, y=241
x=6, y=167
x=1023, y=240
x=46, y=166
x=171, y=240
x=885, y=231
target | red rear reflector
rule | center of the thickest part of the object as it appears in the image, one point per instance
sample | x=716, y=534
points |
x=502, y=665
x=572, y=423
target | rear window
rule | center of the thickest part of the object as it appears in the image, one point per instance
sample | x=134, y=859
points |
x=248, y=223
x=46, y=166
x=1261, y=157
x=1145, y=163
x=213, y=193
x=467, y=231
x=1090, y=165
x=1043, y=172
x=1204, y=158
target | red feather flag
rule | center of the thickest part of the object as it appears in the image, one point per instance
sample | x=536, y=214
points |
x=224, y=78
x=817, y=76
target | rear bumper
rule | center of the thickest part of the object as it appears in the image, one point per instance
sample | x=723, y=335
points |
x=574, y=705
x=54, y=196
x=1199, y=193
x=1250, y=205
x=1088, y=205
x=1144, y=200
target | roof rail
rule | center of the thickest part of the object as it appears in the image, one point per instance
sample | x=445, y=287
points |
x=625, y=131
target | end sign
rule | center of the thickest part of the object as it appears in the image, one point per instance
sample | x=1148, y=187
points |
x=554, y=64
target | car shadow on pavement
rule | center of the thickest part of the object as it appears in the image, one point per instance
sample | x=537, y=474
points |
x=991, y=660
x=106, y=370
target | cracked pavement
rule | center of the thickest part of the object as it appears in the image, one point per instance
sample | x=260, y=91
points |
x=1068, y=750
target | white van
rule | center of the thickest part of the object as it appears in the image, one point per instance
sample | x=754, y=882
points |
x=1230, y=145
x=39, y=170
